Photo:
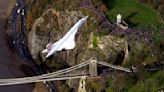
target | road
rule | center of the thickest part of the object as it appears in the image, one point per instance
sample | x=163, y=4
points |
x=9, y=61
x=17, y=34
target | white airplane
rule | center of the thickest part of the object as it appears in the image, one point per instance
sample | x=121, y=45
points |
x=68, y=40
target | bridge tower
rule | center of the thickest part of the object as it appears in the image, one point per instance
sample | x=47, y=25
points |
x=93, y=68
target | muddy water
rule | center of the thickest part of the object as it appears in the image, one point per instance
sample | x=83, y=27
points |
x=10, y=62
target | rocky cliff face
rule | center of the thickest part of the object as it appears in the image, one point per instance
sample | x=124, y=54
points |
x=53, y=25
x=93, y=40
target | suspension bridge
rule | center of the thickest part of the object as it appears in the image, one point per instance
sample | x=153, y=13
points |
x=64, y=74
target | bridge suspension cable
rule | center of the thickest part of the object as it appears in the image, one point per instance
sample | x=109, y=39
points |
x=54, y=74
x=61, y=74
x=41, y=80
x=115, y=67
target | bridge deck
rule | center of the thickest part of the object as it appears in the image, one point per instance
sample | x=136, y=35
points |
x=61, y=74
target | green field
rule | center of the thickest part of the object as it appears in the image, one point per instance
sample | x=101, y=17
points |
x=134, y=13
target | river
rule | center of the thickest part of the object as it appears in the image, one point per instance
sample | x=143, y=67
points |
x=10, y=62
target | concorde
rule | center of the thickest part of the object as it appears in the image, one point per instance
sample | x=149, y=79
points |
x=68, y=40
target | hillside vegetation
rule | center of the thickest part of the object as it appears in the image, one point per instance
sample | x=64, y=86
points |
x=134, y=13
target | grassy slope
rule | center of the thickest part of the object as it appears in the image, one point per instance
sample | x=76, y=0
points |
x=141, y=14
x=151, y=84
